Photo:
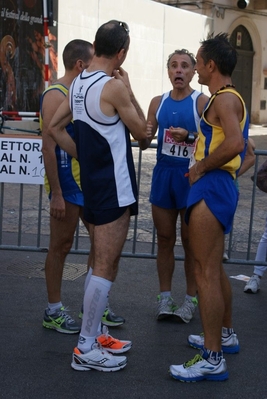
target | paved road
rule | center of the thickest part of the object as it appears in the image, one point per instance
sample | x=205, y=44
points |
x=35, y=362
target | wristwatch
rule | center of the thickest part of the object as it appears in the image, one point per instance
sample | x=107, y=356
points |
x=190, y=138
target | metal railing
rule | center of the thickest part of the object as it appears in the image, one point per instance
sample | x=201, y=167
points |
x=24, y=218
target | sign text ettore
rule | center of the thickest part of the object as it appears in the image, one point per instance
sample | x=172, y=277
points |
x=21, y=160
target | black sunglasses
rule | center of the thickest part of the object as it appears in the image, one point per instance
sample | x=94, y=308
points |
x=123, y=24
x=125, y=27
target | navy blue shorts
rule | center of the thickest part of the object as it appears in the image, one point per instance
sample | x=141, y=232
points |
x=170, y=186
x=218, y=189
x=104, y=216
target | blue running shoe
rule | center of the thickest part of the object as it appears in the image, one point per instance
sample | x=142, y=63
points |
x=199, y=369
x=230, y=344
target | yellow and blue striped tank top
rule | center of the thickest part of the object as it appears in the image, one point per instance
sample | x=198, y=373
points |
x=68, y=167
x=211, y=136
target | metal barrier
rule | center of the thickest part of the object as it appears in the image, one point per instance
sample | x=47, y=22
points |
x=24, y=218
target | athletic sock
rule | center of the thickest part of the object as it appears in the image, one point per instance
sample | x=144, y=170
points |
x=256, y=275
x=87, y=279
x=94, y=304
x=165, y=294
x=227, y=331
x=53, y=307
x=212, y=356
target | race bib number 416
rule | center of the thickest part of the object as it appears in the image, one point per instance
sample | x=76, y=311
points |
x=172, y=148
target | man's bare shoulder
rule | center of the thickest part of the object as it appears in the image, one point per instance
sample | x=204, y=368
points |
x=114, y=90
x=154, y=103
x=203, y=97
x=115, y=84
x=202, y=101
x=156, y=99
x=228, y=101
x=52, y=97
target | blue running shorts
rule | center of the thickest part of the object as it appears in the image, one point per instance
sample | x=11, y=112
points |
x=218, y=189
x=75, y=199
x=170, y=186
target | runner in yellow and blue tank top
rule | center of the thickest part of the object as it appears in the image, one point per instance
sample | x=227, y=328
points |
x=68, y=167
x=221, y=181
x=211, y=205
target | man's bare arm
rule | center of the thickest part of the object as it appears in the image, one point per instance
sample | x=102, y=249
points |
x=57, y=131
x=118, y=93
x=51, y=102
x=249, y=159
x=152, y=123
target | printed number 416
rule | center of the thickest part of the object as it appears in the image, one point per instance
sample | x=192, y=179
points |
x=181, y=151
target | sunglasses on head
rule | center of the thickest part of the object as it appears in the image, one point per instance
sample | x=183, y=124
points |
x=123, y=24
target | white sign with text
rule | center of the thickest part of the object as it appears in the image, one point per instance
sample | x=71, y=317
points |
x=21, y=160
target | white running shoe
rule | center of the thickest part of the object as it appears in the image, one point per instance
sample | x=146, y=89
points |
x=230, y=344
x=187, y=310
x=166, y=307
x=199, y=369
x=253, y=285
x=98, y=359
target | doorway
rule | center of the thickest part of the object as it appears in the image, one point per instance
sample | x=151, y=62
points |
x=242, y=74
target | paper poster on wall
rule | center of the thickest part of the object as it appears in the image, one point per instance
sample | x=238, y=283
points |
x=21, y=160
x=22, y=54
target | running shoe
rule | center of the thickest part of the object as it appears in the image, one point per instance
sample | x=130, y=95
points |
x=230, y=344
x=109, y=318
x=253, y=285
x=113, y=345
x=187, y=310
x=97, y=359
x=61, y=321
x=166, y=307
x=199, y=369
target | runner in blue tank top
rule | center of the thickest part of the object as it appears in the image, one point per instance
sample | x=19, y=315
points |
x=176, y=115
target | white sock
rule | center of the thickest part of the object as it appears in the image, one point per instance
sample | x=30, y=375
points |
x=87, y=278
x=165, y=294
x=227, y=331
x=94, y=304
x=99, y=329
x=53, y=307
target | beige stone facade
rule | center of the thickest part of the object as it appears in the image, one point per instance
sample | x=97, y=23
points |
x=156, y=29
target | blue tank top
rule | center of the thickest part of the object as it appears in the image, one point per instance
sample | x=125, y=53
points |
x=177, y=113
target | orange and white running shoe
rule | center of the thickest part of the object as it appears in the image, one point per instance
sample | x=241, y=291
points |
x=113, y=345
